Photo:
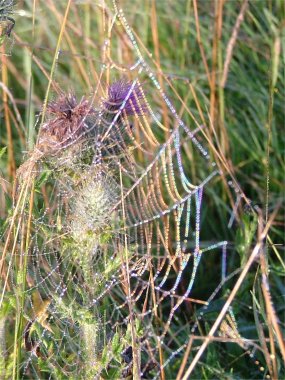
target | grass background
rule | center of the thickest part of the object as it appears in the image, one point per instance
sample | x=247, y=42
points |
x=240, y=102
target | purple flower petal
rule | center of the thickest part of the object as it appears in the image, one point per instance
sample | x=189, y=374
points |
x=118, y=94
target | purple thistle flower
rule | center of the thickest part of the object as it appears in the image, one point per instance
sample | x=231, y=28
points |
x=118, y=94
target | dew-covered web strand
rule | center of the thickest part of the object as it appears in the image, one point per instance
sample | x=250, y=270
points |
x=197, y=253
x=176, y=207
x=175, y=136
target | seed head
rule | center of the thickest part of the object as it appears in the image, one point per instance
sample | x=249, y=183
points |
x=65, y=124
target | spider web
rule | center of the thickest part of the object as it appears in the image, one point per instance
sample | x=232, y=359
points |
x=115, y=255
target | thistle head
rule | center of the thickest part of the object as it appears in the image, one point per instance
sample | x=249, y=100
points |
x=128, y=97
x=66, y=122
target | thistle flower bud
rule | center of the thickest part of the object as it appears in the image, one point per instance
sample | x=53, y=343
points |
x=90, y=213
x=66, y=122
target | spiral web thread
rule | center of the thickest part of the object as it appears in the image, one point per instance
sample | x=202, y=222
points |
x=145, y=276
